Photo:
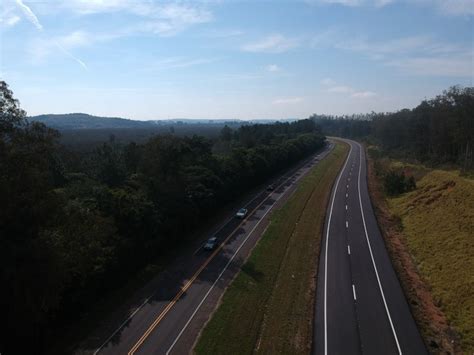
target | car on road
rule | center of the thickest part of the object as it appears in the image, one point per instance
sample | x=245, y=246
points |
x=211, y=243
x=270, y=187
x=241, y=213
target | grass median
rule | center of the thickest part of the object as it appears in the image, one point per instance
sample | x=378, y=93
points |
x=268, y=308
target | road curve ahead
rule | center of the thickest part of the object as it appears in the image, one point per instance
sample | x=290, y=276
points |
x=170, y=319
x=360, y=305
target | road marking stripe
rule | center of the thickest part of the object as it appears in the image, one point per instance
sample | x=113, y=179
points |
x=347, y=186
x=189, y=283
x=347, y=195
x=346, y=207
x=219, y=277
x=347, y=224
x=354, y=292
x=326, y=254
x=148, y=298
x=372, y=257
x=349, y=249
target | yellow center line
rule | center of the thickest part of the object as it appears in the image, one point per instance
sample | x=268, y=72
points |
x=189, y=283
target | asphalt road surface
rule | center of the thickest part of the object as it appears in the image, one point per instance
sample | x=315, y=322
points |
x=169, y=319
x=360, y=305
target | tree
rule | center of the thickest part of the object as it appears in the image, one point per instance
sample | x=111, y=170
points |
x=29, y=274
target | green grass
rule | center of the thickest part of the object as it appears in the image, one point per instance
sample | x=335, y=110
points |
x=268, y=308
x=438, y=223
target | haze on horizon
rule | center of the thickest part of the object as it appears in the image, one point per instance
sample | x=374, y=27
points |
x=233, y=59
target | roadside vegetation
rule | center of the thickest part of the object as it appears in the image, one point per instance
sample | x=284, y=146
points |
x=438, y=131
x=76, y=224
x=429, y=231
x=268, y=308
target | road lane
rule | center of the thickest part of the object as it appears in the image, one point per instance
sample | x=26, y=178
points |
x=181, y=295
x=360, y=306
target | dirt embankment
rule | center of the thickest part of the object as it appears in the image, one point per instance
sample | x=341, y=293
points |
x=440, y=338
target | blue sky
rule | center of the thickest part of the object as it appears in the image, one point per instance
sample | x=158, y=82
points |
x=146, y=59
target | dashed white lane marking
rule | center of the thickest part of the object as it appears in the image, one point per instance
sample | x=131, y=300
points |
x=347, y=186
x=326, y=254
x=346, y=207
x=354, y=292
x=347, y=224
x=349, y=249
x=347, y=195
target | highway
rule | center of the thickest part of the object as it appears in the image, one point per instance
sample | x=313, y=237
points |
x=360, y=306
x=169, y=319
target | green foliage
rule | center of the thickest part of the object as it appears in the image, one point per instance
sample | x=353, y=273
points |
x=75, y=224
x=439, y=131
x=397, y=183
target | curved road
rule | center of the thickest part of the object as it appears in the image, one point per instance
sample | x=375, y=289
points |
x=360, y=305
x=170, y=318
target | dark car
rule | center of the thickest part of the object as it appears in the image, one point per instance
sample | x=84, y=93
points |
x=211, y=243
x=270, y=187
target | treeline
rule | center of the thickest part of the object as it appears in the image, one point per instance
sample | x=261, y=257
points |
x=74, y=225
x=437, y=131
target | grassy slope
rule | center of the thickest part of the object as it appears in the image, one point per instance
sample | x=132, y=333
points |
x=438, y=222
x=269, y=306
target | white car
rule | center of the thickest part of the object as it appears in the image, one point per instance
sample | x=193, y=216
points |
x=241, y=213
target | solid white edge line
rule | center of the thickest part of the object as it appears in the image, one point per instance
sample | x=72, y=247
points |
x=224, y=270
x=354, y=292
x=326, y=253
x=372, y=257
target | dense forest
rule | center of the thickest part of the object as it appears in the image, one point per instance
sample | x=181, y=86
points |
x=437, y=131
x=75, y=224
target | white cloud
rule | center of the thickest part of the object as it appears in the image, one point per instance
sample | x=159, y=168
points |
x=449, y=66
x=287, y=101
x=353, y=3
x=178, y=62
x=272, y=68
x=343, y=2
x=363, y=94
x=75, y=39
x=342, y=89
x=220, y=33
x=345, y=89
x=420, y=54
x=271, y=44
x=382, y=3
x=163, y=19
x=29, y=14
x=445, y=7
x=449, y=7
x=328, y=81
x=12, y=21
x=42, y=48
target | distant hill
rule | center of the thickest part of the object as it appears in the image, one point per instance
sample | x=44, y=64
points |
x=85, y=121
x=75, y=121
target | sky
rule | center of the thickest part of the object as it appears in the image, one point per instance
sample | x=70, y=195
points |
x=233, y=59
